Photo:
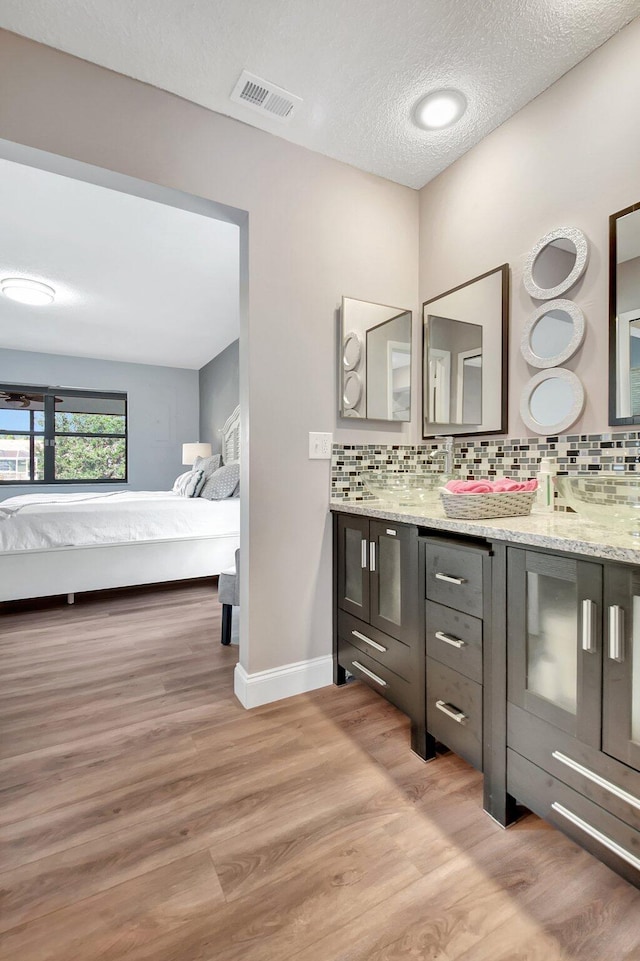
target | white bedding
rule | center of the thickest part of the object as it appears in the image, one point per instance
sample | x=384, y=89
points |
x=36, y=521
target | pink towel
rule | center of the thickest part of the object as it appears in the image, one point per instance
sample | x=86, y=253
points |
x=502, y=485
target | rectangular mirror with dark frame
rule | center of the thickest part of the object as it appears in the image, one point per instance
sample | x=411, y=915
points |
x=375, y=375
x=465, y=357
x=624, y=316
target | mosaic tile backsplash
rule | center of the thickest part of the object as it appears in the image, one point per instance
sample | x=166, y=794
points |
x=503, y=457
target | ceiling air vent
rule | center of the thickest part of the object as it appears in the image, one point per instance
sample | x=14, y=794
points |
x=264, y=97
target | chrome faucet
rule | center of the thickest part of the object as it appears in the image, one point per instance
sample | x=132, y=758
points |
x=446, y=452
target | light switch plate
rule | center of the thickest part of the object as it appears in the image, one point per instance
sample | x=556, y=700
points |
x=320, y=446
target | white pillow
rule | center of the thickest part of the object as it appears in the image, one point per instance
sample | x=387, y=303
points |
x=207, y=464
x=190, y=483
x=222, y=483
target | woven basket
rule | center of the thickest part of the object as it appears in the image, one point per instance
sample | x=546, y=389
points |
x=476, y=506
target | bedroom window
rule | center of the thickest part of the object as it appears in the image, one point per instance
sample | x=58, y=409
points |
x=62, y=436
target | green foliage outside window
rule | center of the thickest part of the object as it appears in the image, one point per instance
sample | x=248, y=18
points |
x=86, y=457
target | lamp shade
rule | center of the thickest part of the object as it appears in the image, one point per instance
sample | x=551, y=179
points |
x=191, y=451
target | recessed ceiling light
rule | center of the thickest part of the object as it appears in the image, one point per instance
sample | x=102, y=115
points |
x=27, y=291
x=440, y=108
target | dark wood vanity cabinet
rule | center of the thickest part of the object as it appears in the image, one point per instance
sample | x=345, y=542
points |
x=573, y=708
x=522, y=660
x=377, y=636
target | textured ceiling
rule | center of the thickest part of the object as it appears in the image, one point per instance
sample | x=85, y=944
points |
x=359, y=65
x=135, y=280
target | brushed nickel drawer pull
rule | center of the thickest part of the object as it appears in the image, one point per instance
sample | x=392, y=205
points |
x=600, y=781
x=588, y=626
x=367, y=640
x=448, y=639
x=363, y=554
x=616, y=633
x=365, y=670
x=372, y=557
x=449, y=578
x=459, y=716
x=607, y=842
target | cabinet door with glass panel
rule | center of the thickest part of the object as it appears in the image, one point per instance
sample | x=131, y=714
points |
x=554, y=623
x=390, y=558
x=621, y=688
x=375, y=561
x=353, y=565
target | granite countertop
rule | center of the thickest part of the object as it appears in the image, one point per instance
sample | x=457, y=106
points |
x=559, y=530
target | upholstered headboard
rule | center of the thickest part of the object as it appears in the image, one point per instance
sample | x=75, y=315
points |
x=230, y=438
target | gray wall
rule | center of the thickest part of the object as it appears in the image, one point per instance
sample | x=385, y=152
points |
x=219, y=393
x=163, y=410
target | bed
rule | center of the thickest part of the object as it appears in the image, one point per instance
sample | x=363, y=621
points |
x=68, y=543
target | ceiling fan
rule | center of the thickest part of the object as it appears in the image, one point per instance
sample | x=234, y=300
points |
x=18, y=401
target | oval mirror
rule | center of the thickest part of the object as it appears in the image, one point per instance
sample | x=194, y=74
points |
x=552, y=334
x=556, y=263
x=351, y=350
x=552, y=401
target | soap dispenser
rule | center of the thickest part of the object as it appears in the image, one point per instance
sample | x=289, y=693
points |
x=546, y=473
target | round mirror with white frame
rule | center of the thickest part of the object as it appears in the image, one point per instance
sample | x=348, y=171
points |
x=556, y=263
x=552, y=334
x=352, y=393
x=351, y=350
x=551, y=401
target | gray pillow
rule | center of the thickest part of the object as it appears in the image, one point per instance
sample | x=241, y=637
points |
x=222, y=483
x=189, y=484
x=207, y=464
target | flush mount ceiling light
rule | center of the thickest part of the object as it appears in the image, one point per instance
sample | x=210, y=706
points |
x=25, y=291
x=439, y=109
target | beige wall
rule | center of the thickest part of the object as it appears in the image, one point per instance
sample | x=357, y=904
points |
x=318, y=229
x=571, y=157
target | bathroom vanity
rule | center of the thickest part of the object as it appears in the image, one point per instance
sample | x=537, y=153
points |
x=515, y=642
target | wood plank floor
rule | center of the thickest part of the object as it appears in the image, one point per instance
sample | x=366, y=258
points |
x=147, y=817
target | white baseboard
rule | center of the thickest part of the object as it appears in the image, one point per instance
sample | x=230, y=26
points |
x=263, y=687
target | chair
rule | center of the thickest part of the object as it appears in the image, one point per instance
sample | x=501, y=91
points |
x=229, y=596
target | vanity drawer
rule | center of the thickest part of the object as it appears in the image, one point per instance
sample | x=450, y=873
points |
x=454, y=711
x=454, y=576
x=605, y=836
x=601, y=778
x=386, y=650
x=454, y=639
x=392, y=687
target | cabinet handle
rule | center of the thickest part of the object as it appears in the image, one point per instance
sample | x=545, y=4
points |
x=616, y=633
x=363, y=554
x=448, y=639
x=372, y=557
x=459, y=716
x=449, y=578
x=365, y=670
x=588, y=626
x=600, y=781
x=607, y=842
x=367, y=640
